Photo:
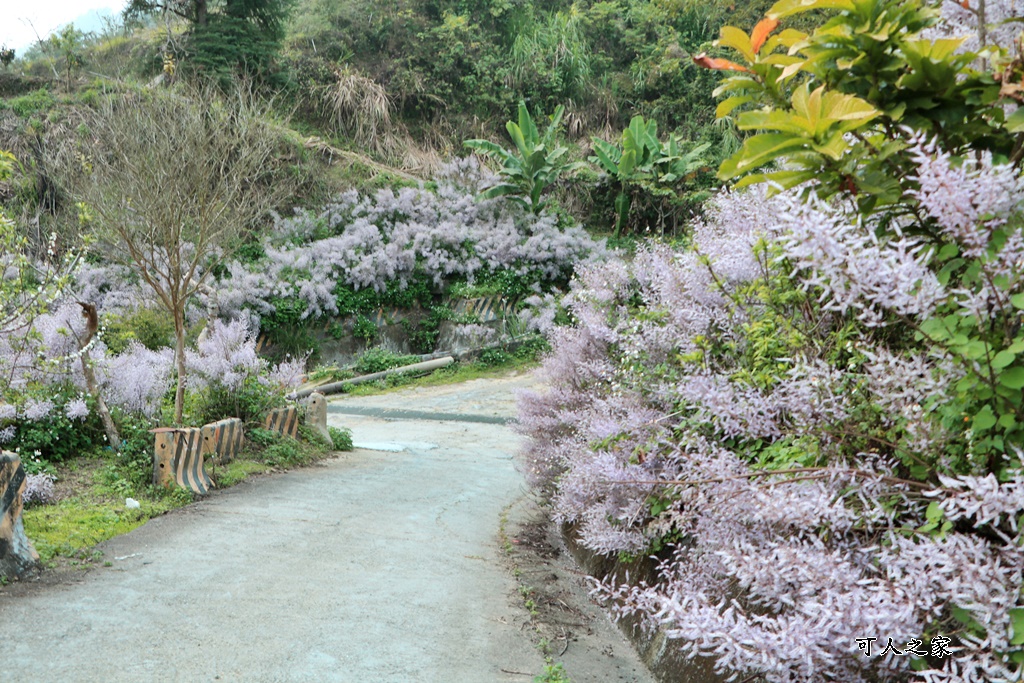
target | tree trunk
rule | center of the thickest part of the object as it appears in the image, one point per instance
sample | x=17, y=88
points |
x=982, y=23
x=179, y=357
x=101, y=406
x=91, y=326
x=200, y=12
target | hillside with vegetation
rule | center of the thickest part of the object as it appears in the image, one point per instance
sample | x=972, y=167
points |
x=405, y=84
x=779, y=273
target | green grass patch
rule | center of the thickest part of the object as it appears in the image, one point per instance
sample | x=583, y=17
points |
x=273, y=450
x=498, y=366
x=33, y=103
x=74, y=525
x=236, y=471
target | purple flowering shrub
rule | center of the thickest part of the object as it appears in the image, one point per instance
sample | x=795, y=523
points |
x=46, y=408
x=48, y=356
x=960, y=20
x=818, y=413
x=52, y=422
x=230, y=379
x=364, y=251
x=38, y=489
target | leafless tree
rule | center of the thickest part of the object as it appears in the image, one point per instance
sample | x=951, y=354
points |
x=176, y=179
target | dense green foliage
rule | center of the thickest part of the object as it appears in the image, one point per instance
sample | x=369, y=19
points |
x=406, y=83
x=57, y=437
x=603, y=60
x=149, y=326
x=857, y=133
x=341, y=439
x=222, y=39
x=380, y=359
x=536, y=163
x=646, y=171
x=842, y=104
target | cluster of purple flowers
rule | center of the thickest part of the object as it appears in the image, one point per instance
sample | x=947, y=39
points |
x=135, y=380
x=38, y=489
x=359, y=241
x=390, y=237
x=655, y=426
x=226, y=356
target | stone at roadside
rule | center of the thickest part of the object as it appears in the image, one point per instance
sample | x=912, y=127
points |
x=316, y=415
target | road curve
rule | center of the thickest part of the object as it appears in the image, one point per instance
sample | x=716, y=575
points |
x=378, y=566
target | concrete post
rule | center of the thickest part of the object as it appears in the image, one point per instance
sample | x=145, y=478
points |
x=222, y=440
x=316, y=415
x=284, y=421
x=17, y=555
x=178, y=459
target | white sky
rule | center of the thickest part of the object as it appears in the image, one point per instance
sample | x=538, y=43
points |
x=45, y=15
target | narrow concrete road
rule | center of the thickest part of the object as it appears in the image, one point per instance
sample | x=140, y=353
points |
x=379, y=566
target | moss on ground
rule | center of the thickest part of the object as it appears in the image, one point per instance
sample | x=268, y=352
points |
x=72, y=526
x=237, y=471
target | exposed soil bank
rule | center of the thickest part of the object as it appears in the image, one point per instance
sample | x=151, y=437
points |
x=566, y=624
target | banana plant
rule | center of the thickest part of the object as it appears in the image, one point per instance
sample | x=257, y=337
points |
x=535, y=164
x=643, y=161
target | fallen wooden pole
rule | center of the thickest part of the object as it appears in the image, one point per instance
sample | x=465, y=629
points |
x=335, y=387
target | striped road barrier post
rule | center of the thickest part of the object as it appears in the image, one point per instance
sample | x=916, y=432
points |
x=178, y=459
x=222, y=440
x=284, y=421
x=17, y=555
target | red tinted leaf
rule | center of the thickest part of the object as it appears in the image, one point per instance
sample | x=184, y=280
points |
x=718, y=64
x=761, y=32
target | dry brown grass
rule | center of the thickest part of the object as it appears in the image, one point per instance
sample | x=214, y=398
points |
x=360, y=107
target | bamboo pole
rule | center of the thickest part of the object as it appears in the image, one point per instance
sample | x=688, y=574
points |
x=335, y=387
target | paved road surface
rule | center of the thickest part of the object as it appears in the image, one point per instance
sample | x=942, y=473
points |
x=379, y=566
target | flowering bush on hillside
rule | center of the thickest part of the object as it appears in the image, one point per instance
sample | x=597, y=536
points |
x=393, y=238
x=230, y=378
x=47, y=408
x=821, y=419
x=814, y=417
x=38, y=489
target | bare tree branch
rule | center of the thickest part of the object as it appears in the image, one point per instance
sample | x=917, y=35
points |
x=176, y=181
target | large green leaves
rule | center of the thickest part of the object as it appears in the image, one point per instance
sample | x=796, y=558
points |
x=814, y=126
x=840, y=105
x=537, y=161
x=642, y=162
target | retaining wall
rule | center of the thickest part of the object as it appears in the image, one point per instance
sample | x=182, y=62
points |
x=654, y=647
